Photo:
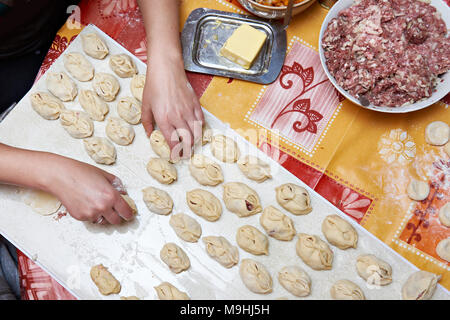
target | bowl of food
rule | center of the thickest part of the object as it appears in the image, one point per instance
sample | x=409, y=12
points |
x=391, y=56
x=274, y=9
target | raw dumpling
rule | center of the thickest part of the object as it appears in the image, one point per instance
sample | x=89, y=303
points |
x=106, y=86
x=314, y=252
x=443, y=249
x=418, y=190
x=207, y=134
x=78, y=124
x=95, y=107
x=106, y=283
x=421, y=285
x=447, y=148
x=255, y=276
x=100, y=150
x=205, y=171
x=252, y=240
x=46, y=105
x=294, y=199
x=122, y=65
x=157, y=200
x=204, y=204
x=61, y=86
x=346, y=290
x=277, y=224
x=224, y=148
x=221, y=250
x=241, y=199
x=160, y=145
x=444, y=214
x=129, y=298
x=175, y=257
x=162, y=170
x=119, y=131
x=375, y=271
x=94, y=46
x=41, y=202
x=339, y=232
x=185, y=227
x=254, y=169
x=78, y=66
x=137, y=86
x=437, y=133
x=167, y=291
x=129, y=110
x=295, y=280
x=131, y=203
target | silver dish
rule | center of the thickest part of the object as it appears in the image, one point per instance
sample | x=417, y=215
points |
x=271, y=12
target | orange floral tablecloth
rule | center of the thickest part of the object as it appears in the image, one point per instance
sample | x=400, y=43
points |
x=359, y=160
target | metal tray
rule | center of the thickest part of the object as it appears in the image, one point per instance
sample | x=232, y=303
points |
x=205, y=32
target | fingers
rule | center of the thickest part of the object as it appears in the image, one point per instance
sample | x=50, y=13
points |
x=112, y=216
x=198, y=112
x=122, y=208
x=187, y=139
x=147, y=119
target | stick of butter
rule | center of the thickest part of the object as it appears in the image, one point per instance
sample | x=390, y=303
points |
x=244, y=45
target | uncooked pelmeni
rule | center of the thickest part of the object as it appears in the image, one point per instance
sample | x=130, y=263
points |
x=159, y=145
x=207, y=134
x=175, y=258
x=295, y=280
x=100, y=150
x=47, y=106
x=437, y=133
x=106, y=86
x=224, y=148
x=185, y=227
x=122, y=65
x=314, y=252
x=418, y=190
x=255, y=276
x=94, y=46
x=241, y=199
x=61, y=86
x=78, y=66
x=346, y=290
x=157, y=200
x=204, y=204
x=447, y=148
x=293, y=198
x=421, y=285
x=375, y=271
x=444, y=214
x=167, y=291
x=129, y=298
x=443, y=249
x=130, y=110
x=130, y=203
x=77, y=123
x=205, y=171
x=41, y=202
x=162, y=170
x=277, y=224
x=104, y=280
x=95, y=107
x=339, y=232
x=254, y=168
x=137, y=85
x=119, y=131
x=252, y=240
x=221, y=250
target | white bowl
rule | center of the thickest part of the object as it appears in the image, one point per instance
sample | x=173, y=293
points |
x=441, y=90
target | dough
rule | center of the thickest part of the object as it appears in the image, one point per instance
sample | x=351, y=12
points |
x=252, y=240
x=437, y=133
x=185, y=227
x=100, y=150
x=122, y=65
x=160, y=145
x=119, y=131
x=175, y=257
x=204, y=204
x=129, y=109
x=375, y=271
x=157, y=200
x=314, y=252
x=167, y=291
x=254, y=169
x=421, y=285
x=447, y=148
x=131, y=203
x=129, y=298
x=339, y=232
x=95, y=107
x=162, y=170
x=94, y=46
x=443, y=249
x=41, y=202
x=207, y=134
x=46, y=105
x=205, y=171
x=241, y=199
x=104, y=280
x=444, y=214
x=61, y=86
x=224, y=148
x=295, y=280
x=255, y=276
x=294, y=199
x=221, y=250
x=137, y=86
x=78, y=66
x=78, y=124
x=418, y=190
x=346, y=290
x=106, y=86
x=277, y=224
